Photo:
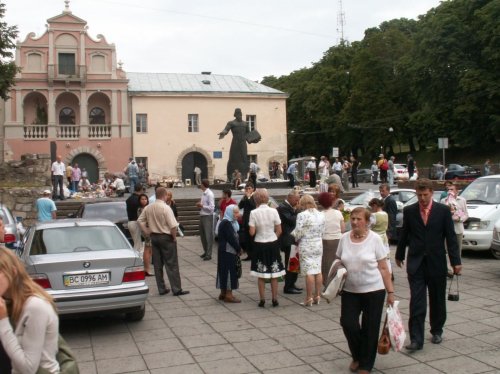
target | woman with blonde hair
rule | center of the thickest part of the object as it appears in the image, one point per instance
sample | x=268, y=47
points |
x=265, y=225
x=308, y=234
x=29, y=326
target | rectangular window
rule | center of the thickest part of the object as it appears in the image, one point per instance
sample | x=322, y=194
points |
x=252, y=158
x=193, y=123
x=252, y=121
x=67, y=65
x=141, y=122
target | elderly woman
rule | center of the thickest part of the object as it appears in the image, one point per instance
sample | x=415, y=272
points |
x=265, y=225
x=29, y=326
x=308, y=233
x=368, y=279
x=229, y=251
x=334, y=227
x=335, y=191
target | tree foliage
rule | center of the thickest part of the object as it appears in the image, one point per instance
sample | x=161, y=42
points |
x=8, y=68
x=434, y=77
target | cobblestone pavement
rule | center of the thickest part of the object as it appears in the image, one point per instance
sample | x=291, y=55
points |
x=197, y=333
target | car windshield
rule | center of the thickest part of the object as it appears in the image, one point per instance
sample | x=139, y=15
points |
x=77, y=239
x=485, y=191
x=113, y=212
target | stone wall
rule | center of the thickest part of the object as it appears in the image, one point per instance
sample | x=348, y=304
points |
x=21, y=183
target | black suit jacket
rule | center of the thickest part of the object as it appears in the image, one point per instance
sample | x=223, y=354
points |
x=288, y=217
x=391, y=208
x=428, y=241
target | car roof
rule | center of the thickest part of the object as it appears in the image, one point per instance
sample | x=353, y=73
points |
x=495, y=176
x=72, y=222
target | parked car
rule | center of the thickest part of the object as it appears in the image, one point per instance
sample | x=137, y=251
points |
x=456, y=171
x=483, y=206
x=401, y=172
x=115, y=211
x=86, y=265
x=401, y=195
x=364, y=176
x=12, y=235
x=495, y=243
x=436, y=196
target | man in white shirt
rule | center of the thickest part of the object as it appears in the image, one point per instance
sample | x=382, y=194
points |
x=311, y=168
x=337, y=167
x=207, y=206
x=58, y=172
x=118, y=186
x=197, y=175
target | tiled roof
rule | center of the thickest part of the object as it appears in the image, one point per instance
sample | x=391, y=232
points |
x=199, y=83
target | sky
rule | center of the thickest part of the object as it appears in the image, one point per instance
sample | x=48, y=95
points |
x=252, y=39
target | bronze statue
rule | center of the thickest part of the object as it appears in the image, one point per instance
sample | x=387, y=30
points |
x=238, y=156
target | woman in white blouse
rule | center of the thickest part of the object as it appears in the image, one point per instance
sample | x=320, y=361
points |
x=368, y=279
x=31, y=340
x=265, y=225
x=334, y=227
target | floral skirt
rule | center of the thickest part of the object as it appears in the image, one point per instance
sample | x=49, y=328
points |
x=266, y=260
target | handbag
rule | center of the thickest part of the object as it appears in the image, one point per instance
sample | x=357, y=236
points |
x=453, y=295
x=65, y=358
x=384, y=342
x=253, y=137
x=238, y=267
x=335, y=281
x=293, y=260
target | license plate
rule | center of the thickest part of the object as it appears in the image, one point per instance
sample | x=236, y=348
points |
x=86, y=279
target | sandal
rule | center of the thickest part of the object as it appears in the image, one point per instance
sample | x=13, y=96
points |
x=353, y=367
x=316, y=300
x=307, y=302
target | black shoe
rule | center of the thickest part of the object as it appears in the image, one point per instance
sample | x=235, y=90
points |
x=181, y=292
x=275, y=303
x=261, y=303
x=202, y=255
x=414, y=346
x=297, y=288
x=207, y=258
x=292, y=291
x=164, y=292
x=436, y=339
x=246, y=259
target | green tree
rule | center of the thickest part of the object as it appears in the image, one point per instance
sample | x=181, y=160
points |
x=8, y=68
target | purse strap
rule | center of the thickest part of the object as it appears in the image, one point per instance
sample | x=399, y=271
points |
x=455, y=277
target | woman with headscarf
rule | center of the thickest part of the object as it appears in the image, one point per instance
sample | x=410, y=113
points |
x=229, y=251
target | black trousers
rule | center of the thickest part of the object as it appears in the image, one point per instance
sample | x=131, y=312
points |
x=58, y=183
x=165, y=254
x=291, y=179
x=362, y=339
x=253, y=179
x=312, y=178
x=290, y=277
x=354, y=178
x=421, y=282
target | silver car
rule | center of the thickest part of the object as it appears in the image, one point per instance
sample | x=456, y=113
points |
x=11, y=232
x=87, y=266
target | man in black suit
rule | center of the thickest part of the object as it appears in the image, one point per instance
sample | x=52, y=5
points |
x=288, y=215
x=391, y=208
x=426, y=227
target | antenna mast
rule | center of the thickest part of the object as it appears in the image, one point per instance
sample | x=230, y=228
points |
x=340, y=23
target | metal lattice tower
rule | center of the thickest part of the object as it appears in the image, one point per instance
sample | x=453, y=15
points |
x=340, y=23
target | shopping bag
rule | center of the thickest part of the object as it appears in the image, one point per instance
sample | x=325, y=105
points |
x=293, y=261
x=396, y=328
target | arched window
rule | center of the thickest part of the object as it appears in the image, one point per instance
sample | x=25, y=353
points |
x=67, y=116
x=97, y=116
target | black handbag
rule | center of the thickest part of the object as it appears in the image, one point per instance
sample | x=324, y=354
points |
x=253, y=137
x=453, y=295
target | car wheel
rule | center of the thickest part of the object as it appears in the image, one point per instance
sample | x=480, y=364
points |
x=495, y=253
x=138, y=315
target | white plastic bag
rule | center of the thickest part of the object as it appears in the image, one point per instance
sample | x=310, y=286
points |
x=396, y=328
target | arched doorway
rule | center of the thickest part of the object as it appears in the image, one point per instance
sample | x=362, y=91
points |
x=87, y=161
x=189, y=162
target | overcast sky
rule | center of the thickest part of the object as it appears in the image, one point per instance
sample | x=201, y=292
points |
x=248, y=38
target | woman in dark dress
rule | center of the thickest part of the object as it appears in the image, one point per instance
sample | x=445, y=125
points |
x=246, y=205
x=229, y=251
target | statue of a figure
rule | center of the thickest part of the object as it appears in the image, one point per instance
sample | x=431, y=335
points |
x=238, y=156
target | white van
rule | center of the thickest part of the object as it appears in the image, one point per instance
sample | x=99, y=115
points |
x=483, y=205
